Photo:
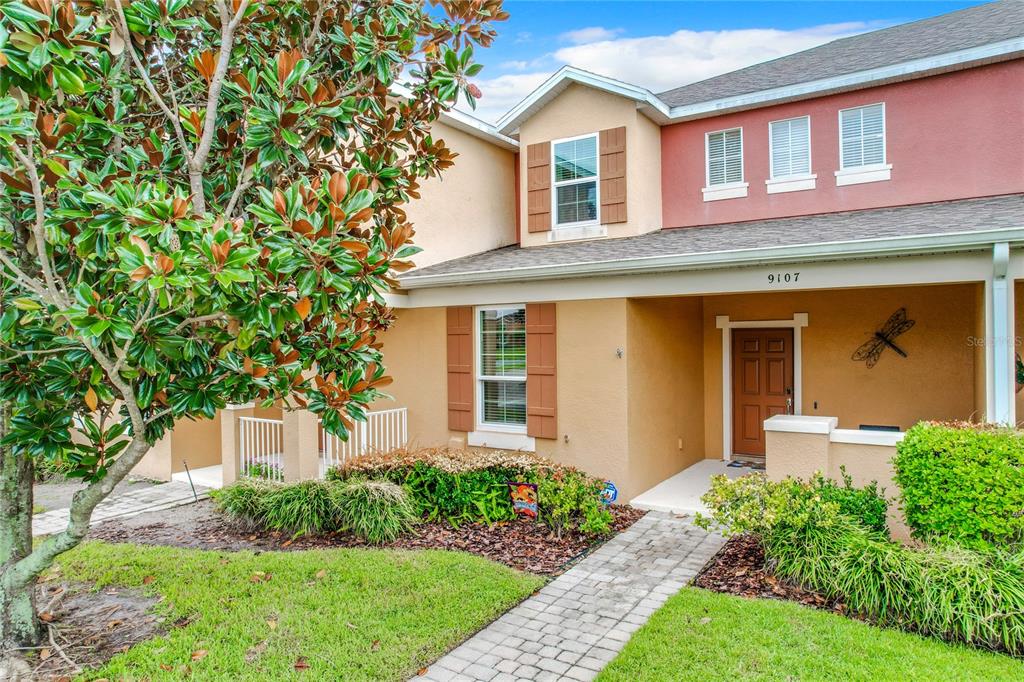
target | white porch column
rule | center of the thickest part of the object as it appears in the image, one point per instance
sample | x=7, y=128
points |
x=1000, y=347
x=301, y=454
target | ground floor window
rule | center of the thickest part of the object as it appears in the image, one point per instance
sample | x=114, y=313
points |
x=501, y=366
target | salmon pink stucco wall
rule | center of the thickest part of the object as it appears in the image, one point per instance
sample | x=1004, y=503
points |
x=952, y=136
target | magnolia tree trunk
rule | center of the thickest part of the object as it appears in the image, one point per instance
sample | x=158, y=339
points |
x=18, y=624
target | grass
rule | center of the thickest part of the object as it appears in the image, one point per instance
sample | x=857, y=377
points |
x=348, y=614
x=700, y=635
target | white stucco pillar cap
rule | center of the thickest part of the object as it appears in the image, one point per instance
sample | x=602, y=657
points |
x=798, y=423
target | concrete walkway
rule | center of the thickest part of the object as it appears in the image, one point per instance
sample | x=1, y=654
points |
x=155, y=498
x=680, y=494
x=580, y=621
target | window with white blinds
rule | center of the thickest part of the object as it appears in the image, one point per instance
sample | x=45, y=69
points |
x=862, y=136
x=575, y=179
x=790, y=147
x=725, y=157
x=501, y=366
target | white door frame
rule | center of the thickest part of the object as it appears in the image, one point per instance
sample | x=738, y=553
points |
x=723, y=322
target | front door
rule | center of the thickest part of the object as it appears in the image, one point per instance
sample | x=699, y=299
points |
x=762, y=384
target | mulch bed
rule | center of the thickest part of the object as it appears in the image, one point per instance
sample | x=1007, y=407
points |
x=84, y=629
x=523, y=545
x=739, y=568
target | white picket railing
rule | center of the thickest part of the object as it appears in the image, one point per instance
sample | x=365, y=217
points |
x=382, y=431
x=261, y=448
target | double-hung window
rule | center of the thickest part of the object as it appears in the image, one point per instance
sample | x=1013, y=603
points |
x=862, y=145
x=575, y=181
x=502, y=367
x=789, y=144
x=724, y=153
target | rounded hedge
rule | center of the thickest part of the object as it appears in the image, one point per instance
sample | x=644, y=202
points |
x=963, y=483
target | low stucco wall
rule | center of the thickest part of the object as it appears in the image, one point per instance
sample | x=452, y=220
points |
x=800, y=455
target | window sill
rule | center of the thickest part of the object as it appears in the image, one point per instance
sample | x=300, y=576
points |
x=796, y=183
x=862, y=174
x=568, y=234
x=734, y=190
x=502, y=440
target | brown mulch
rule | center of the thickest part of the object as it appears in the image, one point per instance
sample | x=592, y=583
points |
x=85, y=628
x=524, y=545
x=739, y=569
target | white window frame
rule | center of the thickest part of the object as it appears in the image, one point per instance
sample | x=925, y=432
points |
x=728, y=190
x=555, y=225
x=875, y=172
x=480, y=378
x=793, y=182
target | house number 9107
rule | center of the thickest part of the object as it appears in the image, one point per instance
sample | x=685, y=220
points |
x=783, y=277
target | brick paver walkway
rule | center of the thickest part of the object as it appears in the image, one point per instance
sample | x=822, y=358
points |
x=580, y=621
x=155, y=498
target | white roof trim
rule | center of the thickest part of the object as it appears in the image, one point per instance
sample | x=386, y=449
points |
x=661, y=113
x=882, y=246
x=916, y=67
x=567, y=75
x=467, y=123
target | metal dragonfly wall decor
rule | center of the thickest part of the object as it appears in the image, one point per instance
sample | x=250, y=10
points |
x=872, y=349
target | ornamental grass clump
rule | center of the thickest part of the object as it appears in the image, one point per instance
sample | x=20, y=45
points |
x=376, y=511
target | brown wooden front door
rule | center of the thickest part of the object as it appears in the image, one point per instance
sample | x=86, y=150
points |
x=762, y=384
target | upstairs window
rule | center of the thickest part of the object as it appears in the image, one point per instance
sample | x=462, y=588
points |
x=862, y=136
x=725, y=157
x=502, y=367
x=790, y=147
x=575, y=181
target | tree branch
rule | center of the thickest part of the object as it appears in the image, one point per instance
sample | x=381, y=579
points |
x=201, y=318
x=228, y=24
x=39, y=225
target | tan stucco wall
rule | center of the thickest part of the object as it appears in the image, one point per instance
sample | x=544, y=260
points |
x=591, y=398
x=665, y=388
x=471, y=207
x=935, y=381
x=580, y=110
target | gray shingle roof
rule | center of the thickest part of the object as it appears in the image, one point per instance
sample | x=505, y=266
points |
x=966, y=28
x=967, y=215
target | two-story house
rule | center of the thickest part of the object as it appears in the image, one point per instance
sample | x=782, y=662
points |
x=632, y=282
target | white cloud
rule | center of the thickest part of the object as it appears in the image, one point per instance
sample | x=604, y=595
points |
x=661, y=62
x=664, y=62
x=590, y=34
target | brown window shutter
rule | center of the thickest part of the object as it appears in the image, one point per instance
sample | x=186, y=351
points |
x=541, y=387
x=460, y=368
x=538, y=187
x=613, y=175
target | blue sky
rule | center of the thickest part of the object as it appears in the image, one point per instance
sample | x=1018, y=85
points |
x=661, y=45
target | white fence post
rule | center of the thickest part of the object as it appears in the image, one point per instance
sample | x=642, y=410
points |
x=383, y=431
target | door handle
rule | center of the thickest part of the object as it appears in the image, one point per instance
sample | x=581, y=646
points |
x=789, y=406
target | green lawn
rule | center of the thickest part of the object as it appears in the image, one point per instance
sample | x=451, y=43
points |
x=700, y=635
x=350, y=614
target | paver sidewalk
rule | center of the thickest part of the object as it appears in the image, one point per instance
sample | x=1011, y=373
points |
x=164, y=496
x=580, y=621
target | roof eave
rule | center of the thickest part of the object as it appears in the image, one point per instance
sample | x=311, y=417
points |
x=886, y=246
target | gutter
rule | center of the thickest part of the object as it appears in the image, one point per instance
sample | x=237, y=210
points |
x=804, y=253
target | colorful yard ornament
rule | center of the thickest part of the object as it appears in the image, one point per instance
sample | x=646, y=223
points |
x=610, y=493
x=524, y=498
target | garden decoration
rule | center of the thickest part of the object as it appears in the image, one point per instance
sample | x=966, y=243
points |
x=524, y=498
x=872, y=349
x=609, y=494
x=1019, y=371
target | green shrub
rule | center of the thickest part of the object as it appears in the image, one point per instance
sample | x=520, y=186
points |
x=377, y=511
x=463, y=486
x=754, y=504
x=963, y=483
x=975, y=597
x=570, y=500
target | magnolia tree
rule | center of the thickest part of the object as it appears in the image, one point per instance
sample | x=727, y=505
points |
x=202, y=205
